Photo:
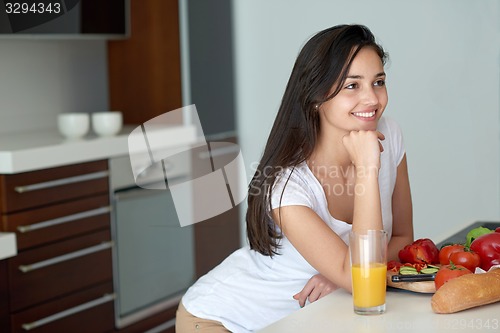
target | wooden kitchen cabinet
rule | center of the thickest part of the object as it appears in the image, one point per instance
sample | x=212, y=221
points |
x=61, y=279
x=144, y=71
x=217, y=237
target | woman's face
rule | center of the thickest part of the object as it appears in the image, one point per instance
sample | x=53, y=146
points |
x=362, y=98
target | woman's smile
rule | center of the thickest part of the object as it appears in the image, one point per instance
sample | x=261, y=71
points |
x=365, y=115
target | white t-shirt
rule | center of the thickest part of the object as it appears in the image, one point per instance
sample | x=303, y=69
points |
x=248, y=290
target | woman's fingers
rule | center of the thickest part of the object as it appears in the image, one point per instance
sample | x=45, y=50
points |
x=317, y=287
x=364, y=147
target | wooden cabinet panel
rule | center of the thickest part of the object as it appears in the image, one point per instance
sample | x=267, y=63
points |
x=93, y=309
x=89, y=263
x=57, y=222
x=160, y=320
x=144, y=70
x=218, y=237
x=4, y=297
x=15, y=195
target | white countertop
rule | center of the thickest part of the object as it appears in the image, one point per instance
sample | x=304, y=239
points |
x=20, y=152
x=8, y=246
x=406, y=312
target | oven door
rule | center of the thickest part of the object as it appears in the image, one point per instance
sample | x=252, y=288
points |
x=154, y=255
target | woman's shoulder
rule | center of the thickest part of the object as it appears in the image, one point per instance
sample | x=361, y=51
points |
x=394, y=141
x=390, y=128
x=388, y=124
x=295, y=186
x=299, y=173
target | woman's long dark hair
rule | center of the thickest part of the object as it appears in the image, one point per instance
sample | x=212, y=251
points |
x=323, y=62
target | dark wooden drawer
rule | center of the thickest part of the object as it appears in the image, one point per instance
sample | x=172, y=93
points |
x=161, y=322
x=38, y=188
x=43, y=273
x=57, y=222
x=89, y=310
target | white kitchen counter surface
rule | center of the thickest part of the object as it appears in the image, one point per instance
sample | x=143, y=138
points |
x=20, y=152
x=8, y=246
x=406, y=312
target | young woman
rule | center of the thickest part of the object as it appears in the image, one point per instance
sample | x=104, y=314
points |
x=332, y=164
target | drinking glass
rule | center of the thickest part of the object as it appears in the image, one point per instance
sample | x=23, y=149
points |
x=368, y=250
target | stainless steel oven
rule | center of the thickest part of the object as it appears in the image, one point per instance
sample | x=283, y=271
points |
x=153, y=259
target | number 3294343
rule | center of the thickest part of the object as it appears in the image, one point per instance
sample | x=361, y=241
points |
x=32, y=8
x=473, y=324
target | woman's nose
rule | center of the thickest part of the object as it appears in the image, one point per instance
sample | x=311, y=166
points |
x=370, y=97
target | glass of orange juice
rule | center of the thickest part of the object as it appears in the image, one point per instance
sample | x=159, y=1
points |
x=368, y=251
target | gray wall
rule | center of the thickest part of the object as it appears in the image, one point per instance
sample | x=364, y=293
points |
x=443, y=83
x=210, y=83
x=40, y=78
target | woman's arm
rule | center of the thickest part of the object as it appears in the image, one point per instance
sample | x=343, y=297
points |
x=315, y=241
x=402, y=234
x=402, y=216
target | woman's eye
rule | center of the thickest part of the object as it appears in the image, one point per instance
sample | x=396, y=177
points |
x=380, y=83
x=351, y=86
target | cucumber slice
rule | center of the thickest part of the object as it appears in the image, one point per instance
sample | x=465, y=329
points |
x=407, y=268
x=429, y=270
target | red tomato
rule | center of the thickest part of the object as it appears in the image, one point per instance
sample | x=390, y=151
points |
x=446, y=251
x=449, y=272
x=468, y=259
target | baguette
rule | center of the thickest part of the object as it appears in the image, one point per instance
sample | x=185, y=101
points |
x=467, y=291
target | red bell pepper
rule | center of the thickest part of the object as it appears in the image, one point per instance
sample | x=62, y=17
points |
x=421, y=251
x=488, y=248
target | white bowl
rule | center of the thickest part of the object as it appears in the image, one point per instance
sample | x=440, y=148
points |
x=107, y=123
x=73, y=125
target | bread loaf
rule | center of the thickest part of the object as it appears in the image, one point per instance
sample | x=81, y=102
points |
x=467, y=291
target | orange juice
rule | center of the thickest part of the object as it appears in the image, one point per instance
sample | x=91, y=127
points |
x=368, y=285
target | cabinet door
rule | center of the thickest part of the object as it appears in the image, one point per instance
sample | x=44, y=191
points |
x=39, y=188
x=219, y=236
x=144, y=70
x=216, y=238
x=55, y=270
x=56, y=222
x=162, y=322
x=85, y=311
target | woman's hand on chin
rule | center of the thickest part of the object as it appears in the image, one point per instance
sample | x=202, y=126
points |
x=364, y=148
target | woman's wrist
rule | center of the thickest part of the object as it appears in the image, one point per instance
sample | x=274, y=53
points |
x=367, y=171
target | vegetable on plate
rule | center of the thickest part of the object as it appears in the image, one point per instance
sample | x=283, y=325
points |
x=421, y=251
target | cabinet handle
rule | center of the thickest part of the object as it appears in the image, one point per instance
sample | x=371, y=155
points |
x=68, y=312
x=66, y=257
x=62, y=181
x=162, y=327
x=63, y=219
